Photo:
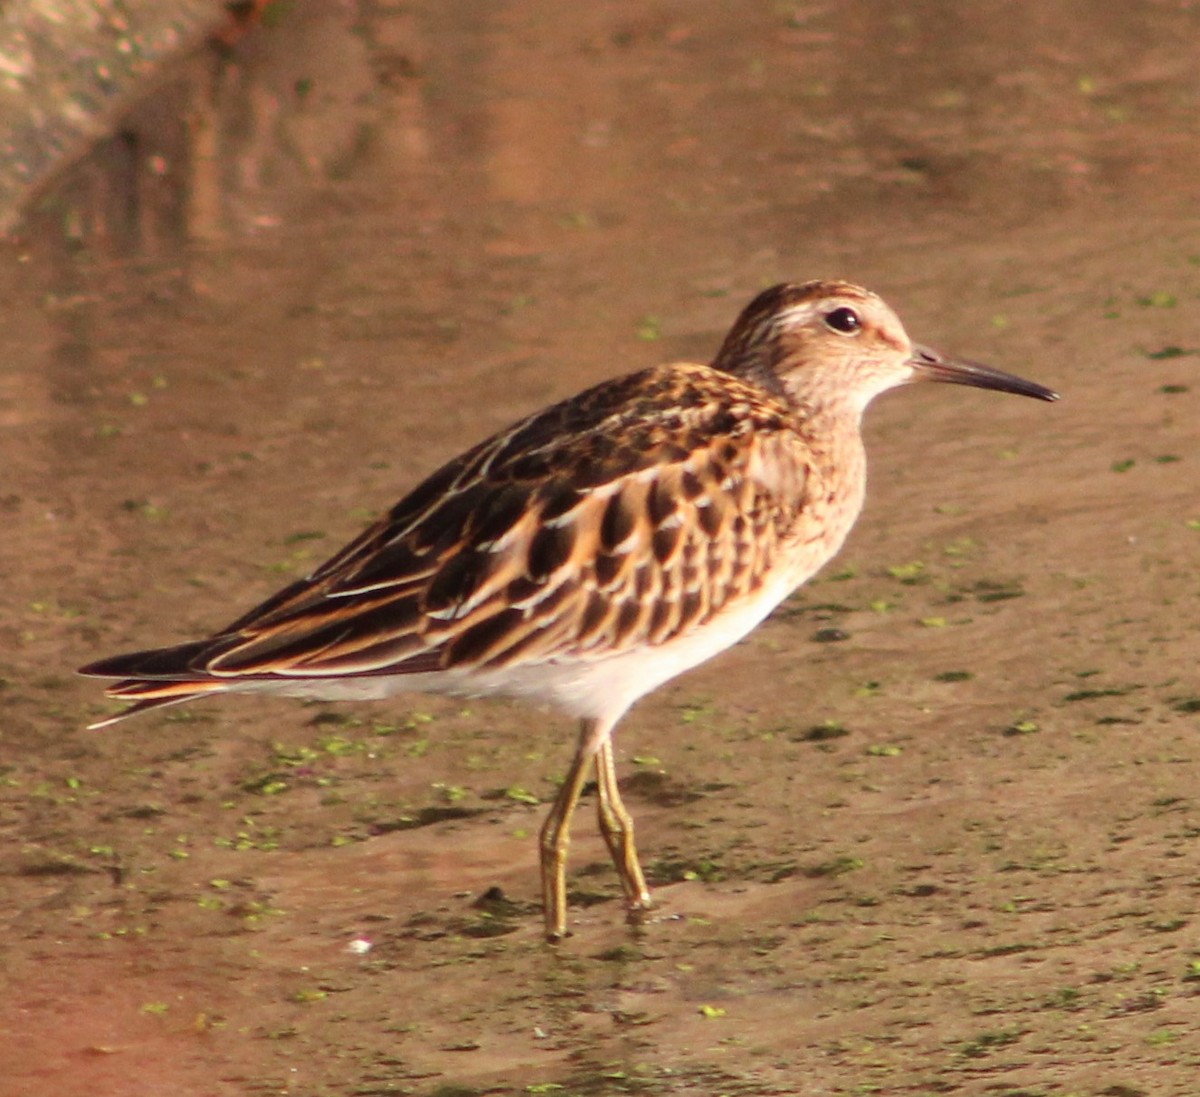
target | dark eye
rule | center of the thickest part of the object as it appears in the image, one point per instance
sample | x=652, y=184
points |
x=844, y=320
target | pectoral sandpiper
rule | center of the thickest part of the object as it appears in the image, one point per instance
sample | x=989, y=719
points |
x=594, y=550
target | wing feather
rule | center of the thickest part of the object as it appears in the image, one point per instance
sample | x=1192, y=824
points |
x=624, y=517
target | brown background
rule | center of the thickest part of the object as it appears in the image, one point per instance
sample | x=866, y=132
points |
x=380, y=231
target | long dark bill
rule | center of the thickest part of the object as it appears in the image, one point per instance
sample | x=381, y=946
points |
x=928, y=365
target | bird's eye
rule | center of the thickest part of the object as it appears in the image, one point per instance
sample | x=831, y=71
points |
x=843, y=320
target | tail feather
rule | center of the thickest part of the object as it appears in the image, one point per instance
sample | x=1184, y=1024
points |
x=144, y=705
x=156, y=677
x=181, y=663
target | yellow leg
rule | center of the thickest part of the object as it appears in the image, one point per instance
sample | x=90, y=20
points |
x=616, y=825
x=556, y=830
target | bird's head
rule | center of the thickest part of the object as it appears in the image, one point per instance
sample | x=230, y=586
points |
x=836, y=345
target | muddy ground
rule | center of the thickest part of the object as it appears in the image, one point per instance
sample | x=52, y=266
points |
x=934, y=828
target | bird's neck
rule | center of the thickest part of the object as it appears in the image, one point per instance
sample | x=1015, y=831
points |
x=832, y=421
x=833, y=430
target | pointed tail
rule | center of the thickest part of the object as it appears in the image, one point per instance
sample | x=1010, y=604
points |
x=156, y=677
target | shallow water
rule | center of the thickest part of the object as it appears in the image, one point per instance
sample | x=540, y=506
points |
x=385, y=231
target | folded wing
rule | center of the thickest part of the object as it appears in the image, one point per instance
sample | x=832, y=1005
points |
x=625, y=517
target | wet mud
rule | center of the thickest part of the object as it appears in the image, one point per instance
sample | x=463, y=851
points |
x=933, y=828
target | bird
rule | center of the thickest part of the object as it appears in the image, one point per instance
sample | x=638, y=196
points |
x=592, y=551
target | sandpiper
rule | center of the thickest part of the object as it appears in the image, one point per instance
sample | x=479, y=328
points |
x=594, y=550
